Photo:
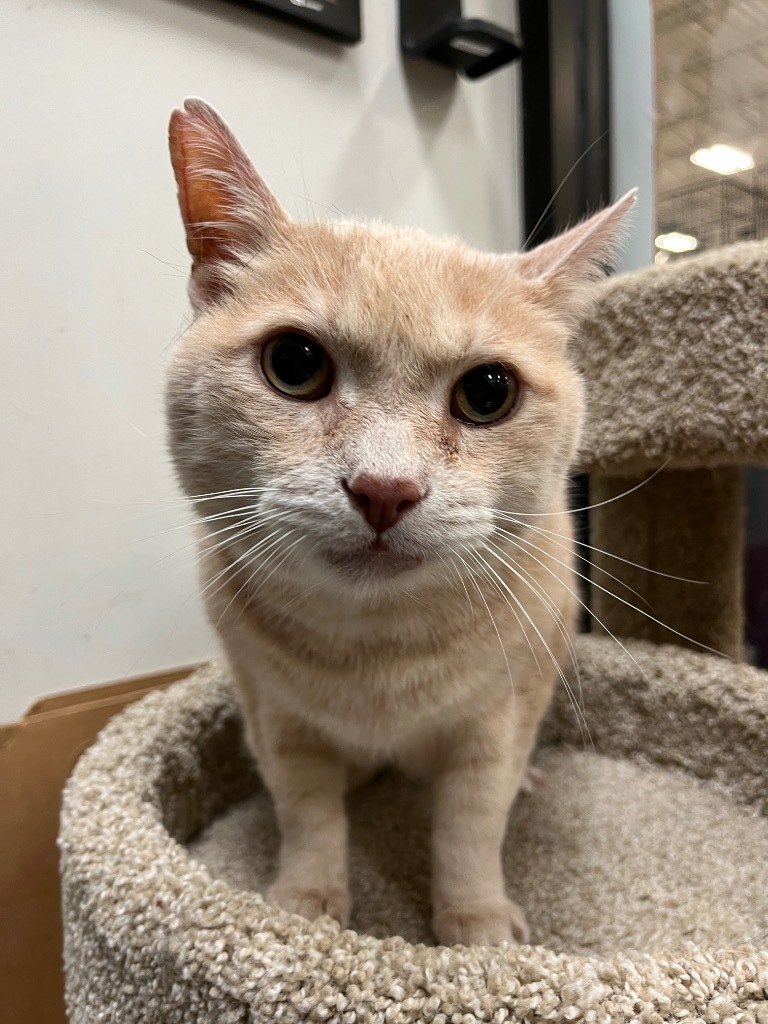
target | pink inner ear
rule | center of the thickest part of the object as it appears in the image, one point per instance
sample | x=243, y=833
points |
x=199, y=155
x=190, y=205
x=224, y=203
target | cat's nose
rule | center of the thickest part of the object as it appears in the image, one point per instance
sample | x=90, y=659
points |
x=382, y=500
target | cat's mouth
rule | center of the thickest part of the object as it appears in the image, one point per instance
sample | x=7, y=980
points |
x=376, y=558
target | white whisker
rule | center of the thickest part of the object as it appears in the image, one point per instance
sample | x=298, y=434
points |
x=493, y=621
x=230, y=568
x=282, y=560
x=548, y=649
x=557, y=616
x=585, y=508
x=629, y=604
x=253, y=570
x=586, y=608
x=608, y=554
x=566, y=547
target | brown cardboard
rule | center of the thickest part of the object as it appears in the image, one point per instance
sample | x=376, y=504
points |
x=37, y=755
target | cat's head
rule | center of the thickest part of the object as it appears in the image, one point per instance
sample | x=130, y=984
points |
x=372, y=395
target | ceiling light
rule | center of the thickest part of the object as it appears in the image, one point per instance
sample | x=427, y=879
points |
x=676, y=241
x=723, y=159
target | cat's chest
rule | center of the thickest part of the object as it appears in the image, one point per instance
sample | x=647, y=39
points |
x=383, y=693
x=384, y=709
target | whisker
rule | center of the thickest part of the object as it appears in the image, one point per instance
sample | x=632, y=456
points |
x=240, y=521
x=608, y=554
x=232, y=493
x=629, y=604
x=231, y=567
x=586, y=608
x=172, y=554
x=447, y=574
x=238, y=530
x=289, y=549
x=215, y=517
x=202, y=520
x=271, y=573
x=493, y=621
x=463, y=583
x=557, y=616
x=557, y=191
x=469, y=600
x=598, y=568
x=548, y=649
x=249, y=578
x=585, y=508
x=251, y=523
x=486, y=569
x=531, y=582
x=168, y=504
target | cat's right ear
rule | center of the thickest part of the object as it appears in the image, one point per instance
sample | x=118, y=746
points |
x=229, y=213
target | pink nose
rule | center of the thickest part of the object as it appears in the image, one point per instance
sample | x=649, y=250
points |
x=382, y=500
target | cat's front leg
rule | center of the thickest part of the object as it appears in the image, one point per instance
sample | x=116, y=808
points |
x=307, y=781
x=472, y=796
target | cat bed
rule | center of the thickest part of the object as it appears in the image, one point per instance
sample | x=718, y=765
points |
x=641, y=859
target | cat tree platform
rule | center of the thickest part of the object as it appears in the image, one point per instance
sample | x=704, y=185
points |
x=655, y=840
x=642, y=860
x=676, y=365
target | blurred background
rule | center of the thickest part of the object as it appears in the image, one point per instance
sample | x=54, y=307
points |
x=712, y=183
x=97, y=572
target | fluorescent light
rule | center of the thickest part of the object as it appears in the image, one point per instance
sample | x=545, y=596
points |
x=723, y=159
x=676, y=241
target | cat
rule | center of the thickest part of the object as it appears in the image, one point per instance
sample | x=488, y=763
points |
x=376, y=428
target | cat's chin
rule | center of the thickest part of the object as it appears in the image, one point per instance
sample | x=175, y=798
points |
x=374, y=561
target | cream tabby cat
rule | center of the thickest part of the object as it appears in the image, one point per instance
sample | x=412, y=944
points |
x=353, y=411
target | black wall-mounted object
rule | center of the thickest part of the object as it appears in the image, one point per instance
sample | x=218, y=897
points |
x=436, y=30
x=339, y=19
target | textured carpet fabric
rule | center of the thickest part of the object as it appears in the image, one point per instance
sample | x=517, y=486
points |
x=654, y=841
x=685, y=523
x=676, y=360
x=676, y=364
x=679, y=862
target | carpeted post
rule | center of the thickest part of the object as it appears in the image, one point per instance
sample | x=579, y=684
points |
x=685, y=523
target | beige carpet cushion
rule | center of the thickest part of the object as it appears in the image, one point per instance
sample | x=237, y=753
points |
x=605, y=855
x=656, y=841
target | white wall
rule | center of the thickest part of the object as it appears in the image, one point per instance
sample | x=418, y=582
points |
x=92, y=289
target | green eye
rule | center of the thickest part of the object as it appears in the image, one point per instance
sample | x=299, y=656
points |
x=297, y=366
x=485, y=394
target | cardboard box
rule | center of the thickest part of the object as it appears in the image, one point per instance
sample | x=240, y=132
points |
x=37, y=755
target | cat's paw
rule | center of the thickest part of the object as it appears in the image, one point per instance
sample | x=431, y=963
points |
x=481, y=924
x=313, y=901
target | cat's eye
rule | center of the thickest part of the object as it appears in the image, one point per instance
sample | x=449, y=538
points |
x=297, y=366
x=484, y=395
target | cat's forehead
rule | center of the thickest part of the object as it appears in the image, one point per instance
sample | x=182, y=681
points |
x=384, y=292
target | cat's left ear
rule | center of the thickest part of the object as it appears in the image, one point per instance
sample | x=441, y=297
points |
x=228, y=211
x=564, y=264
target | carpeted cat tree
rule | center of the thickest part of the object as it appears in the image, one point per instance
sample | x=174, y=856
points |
x=642, y=860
